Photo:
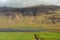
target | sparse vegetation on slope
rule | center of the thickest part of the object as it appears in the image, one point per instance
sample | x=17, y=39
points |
x=31, y=17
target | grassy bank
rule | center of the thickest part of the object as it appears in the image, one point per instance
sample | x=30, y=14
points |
x=28, y=35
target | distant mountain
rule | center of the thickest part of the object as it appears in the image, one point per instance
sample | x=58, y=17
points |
x=33, y=10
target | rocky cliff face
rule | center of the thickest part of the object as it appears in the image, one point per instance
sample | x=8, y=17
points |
x=34, y=9
x=29, y=11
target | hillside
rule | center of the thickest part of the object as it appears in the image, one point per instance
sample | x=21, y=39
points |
x=41, y=16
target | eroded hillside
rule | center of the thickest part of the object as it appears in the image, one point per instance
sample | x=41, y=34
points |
x=30, y=17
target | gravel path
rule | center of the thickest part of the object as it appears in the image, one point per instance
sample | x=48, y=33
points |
x=29, y=30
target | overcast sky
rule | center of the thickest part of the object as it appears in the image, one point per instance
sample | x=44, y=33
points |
x=26, y=3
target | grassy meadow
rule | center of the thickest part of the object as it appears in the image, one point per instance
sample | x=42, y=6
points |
x=29, y=35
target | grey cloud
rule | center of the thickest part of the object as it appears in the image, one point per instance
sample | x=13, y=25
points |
x=25, y=3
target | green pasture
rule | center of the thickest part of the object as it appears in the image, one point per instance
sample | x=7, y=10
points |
x=29, y=35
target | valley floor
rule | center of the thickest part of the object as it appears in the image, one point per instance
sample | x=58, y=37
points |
x=29, y=35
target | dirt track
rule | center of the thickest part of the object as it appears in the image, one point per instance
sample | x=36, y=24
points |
x=29, y=30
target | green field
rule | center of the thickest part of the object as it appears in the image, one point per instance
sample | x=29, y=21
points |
x=28, y=35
